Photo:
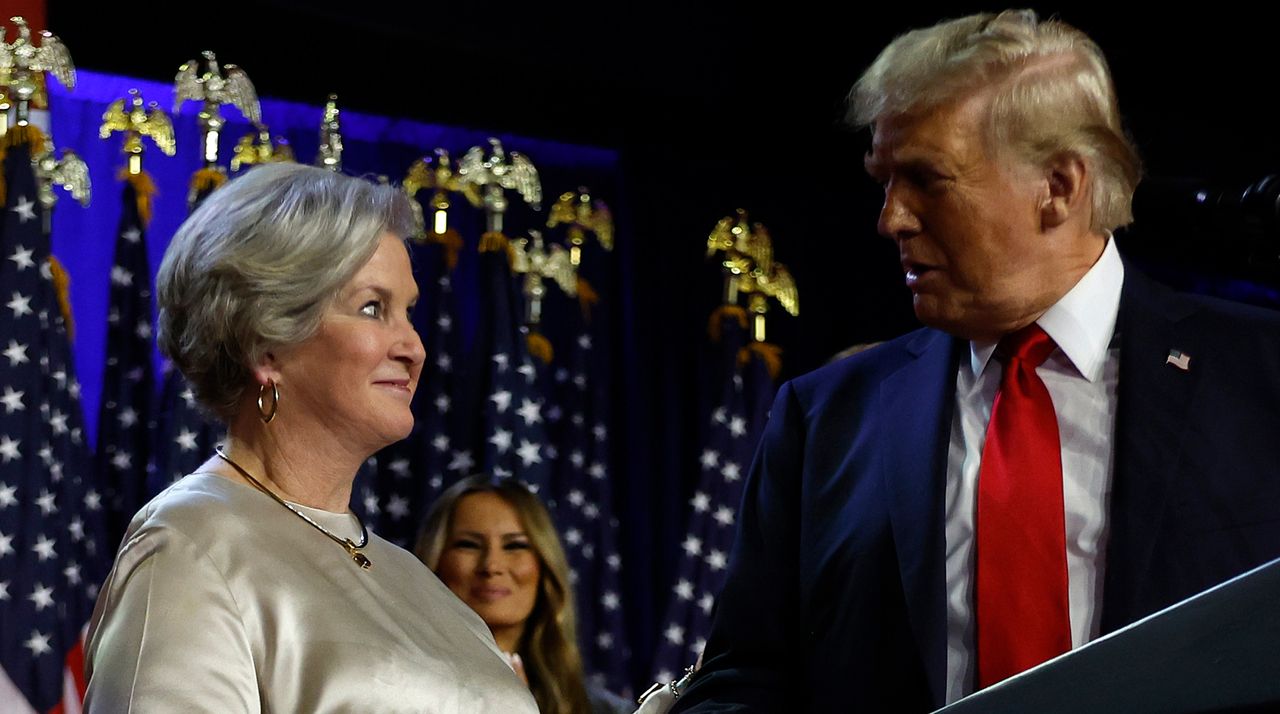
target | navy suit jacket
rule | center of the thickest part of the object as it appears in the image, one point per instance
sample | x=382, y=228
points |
x=835, y=596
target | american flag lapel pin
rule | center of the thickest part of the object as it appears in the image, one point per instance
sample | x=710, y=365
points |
x=1178, y=359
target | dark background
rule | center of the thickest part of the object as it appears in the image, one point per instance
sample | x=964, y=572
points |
x=715, y=107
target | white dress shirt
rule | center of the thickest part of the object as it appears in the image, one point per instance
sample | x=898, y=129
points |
x=1081, y=377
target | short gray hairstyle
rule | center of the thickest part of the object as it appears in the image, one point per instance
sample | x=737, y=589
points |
x=258, y=263
x=1052, y=94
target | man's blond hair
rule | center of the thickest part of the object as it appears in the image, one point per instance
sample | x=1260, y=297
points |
x=1051, y=94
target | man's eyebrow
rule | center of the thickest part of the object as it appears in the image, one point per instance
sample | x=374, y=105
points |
x=907, y=159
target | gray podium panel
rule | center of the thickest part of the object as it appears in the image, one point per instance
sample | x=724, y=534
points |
x=1217, y=651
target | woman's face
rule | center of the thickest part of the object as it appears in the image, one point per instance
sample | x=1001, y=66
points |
x=356, y=376
x=489, y=563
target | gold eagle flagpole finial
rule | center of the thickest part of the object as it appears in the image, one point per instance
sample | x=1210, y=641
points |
x=539, y=262
x=27, y=66
x=435, y=171
x=23, y=67
x=496, y=171
x=258, y=147
x=582, y=215
x=206, y=82
x=330, y=155
x=130, y=117
x=70, y=172
x=746, y=251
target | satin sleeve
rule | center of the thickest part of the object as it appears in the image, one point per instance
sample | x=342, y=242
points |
x=167, y=635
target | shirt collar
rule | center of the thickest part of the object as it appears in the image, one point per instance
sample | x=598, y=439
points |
x=1081, y=322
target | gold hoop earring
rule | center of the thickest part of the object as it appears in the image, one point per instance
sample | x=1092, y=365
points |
x=263, y=414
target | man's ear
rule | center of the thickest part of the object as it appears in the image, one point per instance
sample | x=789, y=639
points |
x=1066, y=178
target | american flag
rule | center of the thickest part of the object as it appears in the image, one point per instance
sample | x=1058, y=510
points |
x=736, y=423
x=185, y=434
x=584, y=512
x=513, y=424
x=51, y=550
x=125, y=422
x=409, y=475
x=446, y=460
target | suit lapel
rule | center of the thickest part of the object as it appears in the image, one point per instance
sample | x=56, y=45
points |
x=1155, y=399
x=916, y=403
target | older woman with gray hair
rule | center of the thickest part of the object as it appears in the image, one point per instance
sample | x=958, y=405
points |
x=249, y=585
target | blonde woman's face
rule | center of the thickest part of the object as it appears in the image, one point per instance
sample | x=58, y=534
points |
x=489, y=563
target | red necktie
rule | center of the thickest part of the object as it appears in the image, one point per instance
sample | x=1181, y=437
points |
x=1023, y=615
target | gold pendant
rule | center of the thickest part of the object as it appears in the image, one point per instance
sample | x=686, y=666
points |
x=356, y=555
x=361, y=560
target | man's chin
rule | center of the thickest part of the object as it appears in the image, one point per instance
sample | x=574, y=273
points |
x=931, y=314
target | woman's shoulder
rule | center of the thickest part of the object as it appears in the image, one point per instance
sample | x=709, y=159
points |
x=194, y=504
x=199, y=513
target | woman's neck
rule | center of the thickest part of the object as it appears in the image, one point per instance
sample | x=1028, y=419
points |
x=508, y=637
x=296, y=466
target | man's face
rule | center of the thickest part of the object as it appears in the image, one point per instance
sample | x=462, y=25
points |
x=967, y=221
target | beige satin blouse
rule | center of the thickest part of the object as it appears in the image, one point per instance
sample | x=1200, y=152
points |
x=222, y=601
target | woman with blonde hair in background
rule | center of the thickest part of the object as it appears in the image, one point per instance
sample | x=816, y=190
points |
x=493, y=544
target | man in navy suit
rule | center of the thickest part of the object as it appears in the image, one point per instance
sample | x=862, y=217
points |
x=892, y=484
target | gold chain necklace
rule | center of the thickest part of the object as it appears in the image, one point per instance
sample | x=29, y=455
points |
x=352, y=548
